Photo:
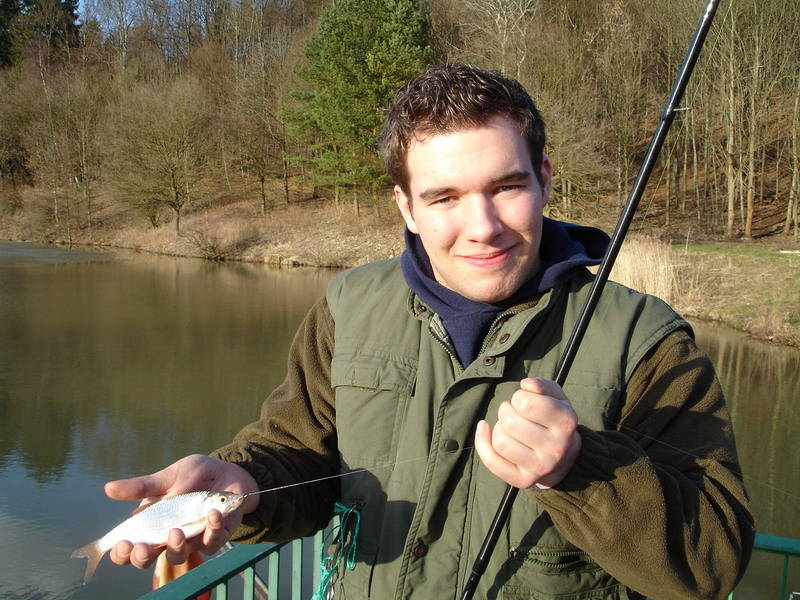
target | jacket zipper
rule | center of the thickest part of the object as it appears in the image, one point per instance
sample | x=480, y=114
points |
x=530, y=556
x=438, y=335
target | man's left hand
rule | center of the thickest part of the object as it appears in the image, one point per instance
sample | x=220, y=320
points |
x=535, y=440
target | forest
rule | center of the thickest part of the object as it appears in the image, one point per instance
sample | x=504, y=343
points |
x=163, y=107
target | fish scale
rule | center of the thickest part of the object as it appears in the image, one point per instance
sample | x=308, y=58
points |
x=155, y=521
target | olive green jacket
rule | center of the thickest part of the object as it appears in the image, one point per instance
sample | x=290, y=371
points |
x=653, y=503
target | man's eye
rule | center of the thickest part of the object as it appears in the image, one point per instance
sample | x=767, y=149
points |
x=508, y=187
x=445, y=200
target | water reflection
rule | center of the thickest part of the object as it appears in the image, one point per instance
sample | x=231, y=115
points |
x=112, y=366
x=147, y=356
x=762, y=384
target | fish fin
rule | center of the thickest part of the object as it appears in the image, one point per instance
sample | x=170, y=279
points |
x=94, y=553
x=165, y=571
x=191, y=524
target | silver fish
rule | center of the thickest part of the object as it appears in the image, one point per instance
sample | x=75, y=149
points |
x=152, y=524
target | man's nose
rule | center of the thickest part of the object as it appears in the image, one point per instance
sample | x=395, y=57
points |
x=481, y=222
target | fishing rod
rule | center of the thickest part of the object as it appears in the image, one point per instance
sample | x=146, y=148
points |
x=582, y=322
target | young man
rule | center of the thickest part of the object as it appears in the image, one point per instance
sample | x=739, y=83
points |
x=630, y=475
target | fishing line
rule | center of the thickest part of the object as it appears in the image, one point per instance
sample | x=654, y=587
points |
x=621, y=429
x=353, y=472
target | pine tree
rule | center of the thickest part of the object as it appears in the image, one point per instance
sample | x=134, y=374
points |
x=363, y=51
x=9, y=9
x=53, y=23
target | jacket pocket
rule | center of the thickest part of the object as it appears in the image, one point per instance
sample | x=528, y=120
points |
x=371, y=395
x=536, y=573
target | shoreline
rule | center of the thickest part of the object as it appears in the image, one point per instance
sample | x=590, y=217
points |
x=780, y=337
x=752, y=286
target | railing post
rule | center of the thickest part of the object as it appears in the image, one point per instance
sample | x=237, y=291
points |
x=316, y=575
x=248, y=592
x=273, y=574
x=785, y=578
x=297, y=569
x=222, y=591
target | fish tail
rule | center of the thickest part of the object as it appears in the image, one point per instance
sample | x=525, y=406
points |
x=94, y=553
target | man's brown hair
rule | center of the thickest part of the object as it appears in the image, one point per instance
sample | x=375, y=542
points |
x=452, y=97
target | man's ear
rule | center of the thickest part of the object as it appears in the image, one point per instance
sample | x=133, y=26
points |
x=404, y=204
x=547, y=178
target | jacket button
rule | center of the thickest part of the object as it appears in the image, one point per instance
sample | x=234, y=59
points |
x=420, y=550
x=489, y=360
x=504, y=338
x=451, y=445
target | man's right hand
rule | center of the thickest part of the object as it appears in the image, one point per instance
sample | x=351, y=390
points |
x=191, y=473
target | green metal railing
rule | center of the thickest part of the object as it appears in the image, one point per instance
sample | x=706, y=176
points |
x=218, y=574
x=786, y=547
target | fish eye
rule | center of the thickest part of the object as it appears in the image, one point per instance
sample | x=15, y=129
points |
x=222, y=499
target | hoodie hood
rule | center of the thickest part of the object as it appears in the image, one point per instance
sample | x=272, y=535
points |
x=564, y=248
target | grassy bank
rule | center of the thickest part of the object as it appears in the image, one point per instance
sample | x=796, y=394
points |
x=753, y=287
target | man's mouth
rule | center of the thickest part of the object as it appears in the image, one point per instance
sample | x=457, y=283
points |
x=488, y=259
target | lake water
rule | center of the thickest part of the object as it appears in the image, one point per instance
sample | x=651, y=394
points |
x=113, y=365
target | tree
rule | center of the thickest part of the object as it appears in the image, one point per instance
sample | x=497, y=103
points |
x=501, y=29
x=254, y=99
x=50, y=24
x=117, y=18
x=163, y=147
x=363, y=51
x=14, y=160
x=9, y=9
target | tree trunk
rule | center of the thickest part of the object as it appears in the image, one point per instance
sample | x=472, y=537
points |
x=681, y=183
x=262, y=182
x=87, y=202
x=55, y=204
x=791, y=204
x=730, y=147
x=695, y=182
x=176, y=206
x=225, y=168
x=285, y=175
x=751, y=142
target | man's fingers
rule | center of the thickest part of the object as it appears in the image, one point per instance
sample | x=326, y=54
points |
x=143, y=555
x=140, y=556
x=545, y=387
x=121, y=553
x=523, y=422
x=498, y=465
x=137, y=488
x=177, y=548
x=542, y=402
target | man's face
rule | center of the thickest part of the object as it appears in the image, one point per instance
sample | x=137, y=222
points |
x=477, y=206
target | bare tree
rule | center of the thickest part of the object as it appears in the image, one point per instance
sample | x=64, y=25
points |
x=498, y=31
x=794, y=187
x=117, y=19
x=163, y=146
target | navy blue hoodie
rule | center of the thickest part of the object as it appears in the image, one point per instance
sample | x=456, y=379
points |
x=564, y=247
